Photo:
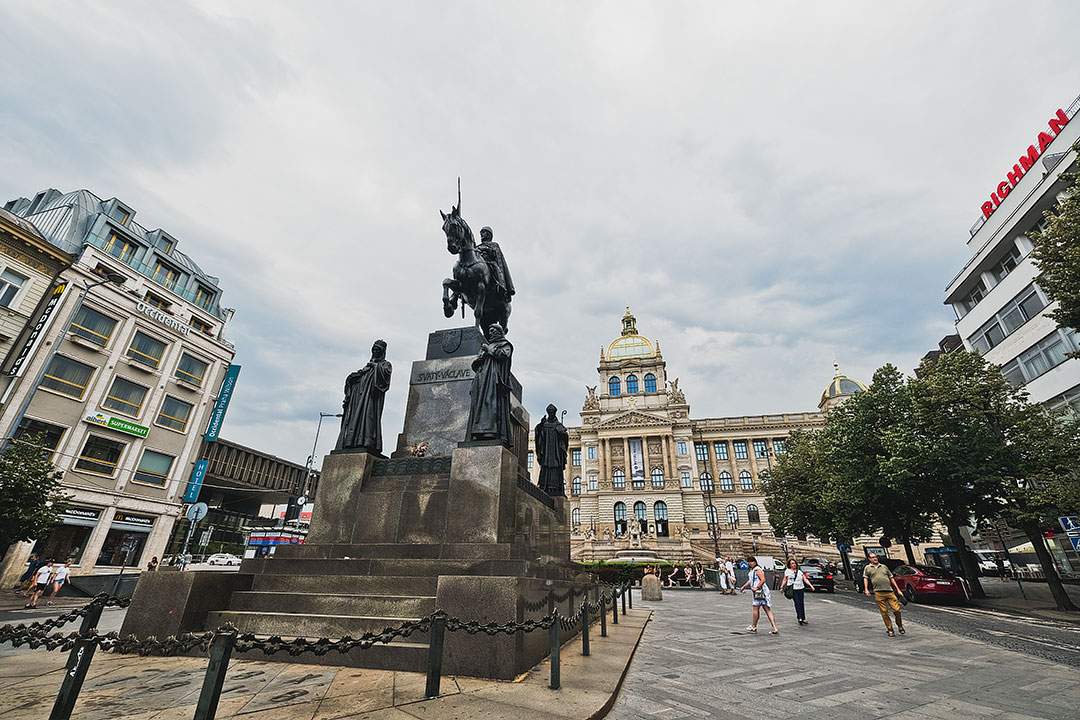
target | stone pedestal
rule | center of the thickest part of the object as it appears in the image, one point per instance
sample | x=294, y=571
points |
x=461, y=529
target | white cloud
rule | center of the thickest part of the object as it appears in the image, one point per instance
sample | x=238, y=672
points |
x=768, y=186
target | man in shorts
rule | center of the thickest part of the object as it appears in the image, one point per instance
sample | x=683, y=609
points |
x=880, y=582
x=41, y=581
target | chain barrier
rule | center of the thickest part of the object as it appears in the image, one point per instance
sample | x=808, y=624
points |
x=223, y=641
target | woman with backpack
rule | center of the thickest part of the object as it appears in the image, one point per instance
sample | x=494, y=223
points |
x=762, y=596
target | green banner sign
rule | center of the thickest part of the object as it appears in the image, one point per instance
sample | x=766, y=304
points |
x=117, y=424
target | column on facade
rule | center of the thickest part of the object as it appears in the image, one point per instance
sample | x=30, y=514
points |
x=669, y=476
x=96, y=541
x=605, y=461
x=752, y=452
x=158, y=540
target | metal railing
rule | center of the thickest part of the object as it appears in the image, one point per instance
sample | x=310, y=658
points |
x=221, y=643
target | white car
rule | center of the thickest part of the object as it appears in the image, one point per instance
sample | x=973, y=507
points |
x=223, y=559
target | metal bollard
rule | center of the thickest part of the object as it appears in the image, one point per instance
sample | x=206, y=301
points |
x=585, y=627
x=615, y=606
x=78, y=663
x=603, y=615
x=434, y=658
x=623, y=594
x=556, y=650
x=630, y=592
x=220, y=652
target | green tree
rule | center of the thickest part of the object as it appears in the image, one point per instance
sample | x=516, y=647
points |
x=1057, y=255
x=795, y=489
x=30, y=493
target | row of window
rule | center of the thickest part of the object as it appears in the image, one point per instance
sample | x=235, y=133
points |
x=739, y=448
x=1005, y=265
x=705, y=481
x=660, y=516
x=71, y=378
x=101, y=455
x=1008, y=319
x=615, y=384
x=162, y=273
x=97, y=328
x=1047, y=354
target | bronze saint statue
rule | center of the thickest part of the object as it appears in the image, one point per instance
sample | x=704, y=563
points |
x=552, y=440
x=365, y=393
x=489, y=407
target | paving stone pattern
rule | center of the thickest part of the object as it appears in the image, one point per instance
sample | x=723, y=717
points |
x=696, y=660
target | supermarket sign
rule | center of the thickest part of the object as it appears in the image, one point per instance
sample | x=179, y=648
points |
x=107, y=421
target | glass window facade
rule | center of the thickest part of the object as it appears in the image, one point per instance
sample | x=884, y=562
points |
x=576, y=487
x=680, y=448
x=146, y=350
x=701, y=450
x=48, y=435
x=191, y=370
x=594, y=482
x=650, y=383
x=706, y=482
x=153, y=469
x=720, y=449
x=752, y=514
x=684, y=480
x=726, y=483
x=100, y=455
x=657, y=478
x=174, y=413
x=575, y=456
x=618, y=479
x=746, y=480
x=631, y=384
x=67, y=377
x=614, y=386
x=740, y=449
x=91, y=325
x=761, y=448
x=125, y=397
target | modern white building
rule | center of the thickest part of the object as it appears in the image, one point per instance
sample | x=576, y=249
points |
x=1001, y=311
x=121, y=384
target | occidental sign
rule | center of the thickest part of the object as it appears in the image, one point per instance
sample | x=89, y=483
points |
x=1025, y=163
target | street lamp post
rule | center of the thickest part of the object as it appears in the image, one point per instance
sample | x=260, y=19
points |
x=116, y=279
x=311, y=457
x=714, y=528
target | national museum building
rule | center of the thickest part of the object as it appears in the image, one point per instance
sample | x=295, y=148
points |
x=641, y=473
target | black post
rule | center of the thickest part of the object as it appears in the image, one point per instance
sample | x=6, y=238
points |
x=556, y=649
x=623, y=594
x=220, y=652
x=585, y=626
x=615, y=605
x=78, y=662
x=434, y=658
x=603, y=615
x=630, y=592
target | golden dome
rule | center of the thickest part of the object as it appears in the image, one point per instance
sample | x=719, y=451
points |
x=630, y=344
x=840, y=385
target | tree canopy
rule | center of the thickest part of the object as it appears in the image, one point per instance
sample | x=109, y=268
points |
x=1057, y=255
x=30, y=492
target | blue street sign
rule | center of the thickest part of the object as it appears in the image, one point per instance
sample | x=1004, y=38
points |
x=1070, y=523
x=195, y=483
x=218, y=415
x=843, y=547
x=1075, y=542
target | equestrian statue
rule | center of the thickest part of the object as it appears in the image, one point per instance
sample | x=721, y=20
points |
x=481, y=277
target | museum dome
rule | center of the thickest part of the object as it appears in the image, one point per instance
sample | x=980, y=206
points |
x=630, y=344
x=840, y=386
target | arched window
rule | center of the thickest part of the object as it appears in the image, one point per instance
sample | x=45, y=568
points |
x=732, y=515
x=642, y=515
x=618, y=479
x=577, y=486
x=752, y=514
x=725, y=481
x=710, y=515
x=575, y=516
x=660, y=516
x=650, y=383
x=706, y=482
x=614, y=386
x=746, y=480
x=620, y=518
x=631, y=384
x=657, y=478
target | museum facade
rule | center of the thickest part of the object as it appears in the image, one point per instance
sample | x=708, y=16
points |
x=642, y=473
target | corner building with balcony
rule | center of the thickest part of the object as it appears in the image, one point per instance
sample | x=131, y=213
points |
x=641, y=473
x=1000, y=309
x=122, y=386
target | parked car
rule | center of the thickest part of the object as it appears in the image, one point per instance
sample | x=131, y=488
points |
x=988, y=562
x=820, y=578
x=223, y=559
x=923, y=582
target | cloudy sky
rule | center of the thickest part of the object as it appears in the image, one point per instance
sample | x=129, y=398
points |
x=768, y=185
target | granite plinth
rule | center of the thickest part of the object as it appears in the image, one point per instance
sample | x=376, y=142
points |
x=170, y=603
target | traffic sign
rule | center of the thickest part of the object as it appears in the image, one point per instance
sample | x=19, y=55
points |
x=197, y=511
x=1070, y=523
x=1076, y=543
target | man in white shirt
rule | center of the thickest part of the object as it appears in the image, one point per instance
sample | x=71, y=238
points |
x=59, y=580
x=41, y=579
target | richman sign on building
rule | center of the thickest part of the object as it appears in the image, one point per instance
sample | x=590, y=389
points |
x=1025, y=163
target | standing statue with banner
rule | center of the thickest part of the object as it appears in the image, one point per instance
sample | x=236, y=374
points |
x=362, y=408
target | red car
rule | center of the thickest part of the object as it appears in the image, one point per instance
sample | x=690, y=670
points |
x=923, y=582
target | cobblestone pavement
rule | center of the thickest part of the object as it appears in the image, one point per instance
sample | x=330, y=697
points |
x=696, y=659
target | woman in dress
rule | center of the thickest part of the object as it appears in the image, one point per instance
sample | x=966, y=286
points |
x=796, y=578
x=762, y=596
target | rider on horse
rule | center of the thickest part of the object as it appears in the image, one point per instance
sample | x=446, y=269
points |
x=490, y=251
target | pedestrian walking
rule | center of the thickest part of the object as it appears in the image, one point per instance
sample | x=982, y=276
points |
x=729, y=567
x=881, y=586
x=797, y=581
x=26, y=580
x=762, y=596
x=41, y=583
x=59, y=580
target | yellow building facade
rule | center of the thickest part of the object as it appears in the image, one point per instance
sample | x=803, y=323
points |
x=642, y=473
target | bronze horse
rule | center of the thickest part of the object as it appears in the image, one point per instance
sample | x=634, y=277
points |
x=473, y=282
